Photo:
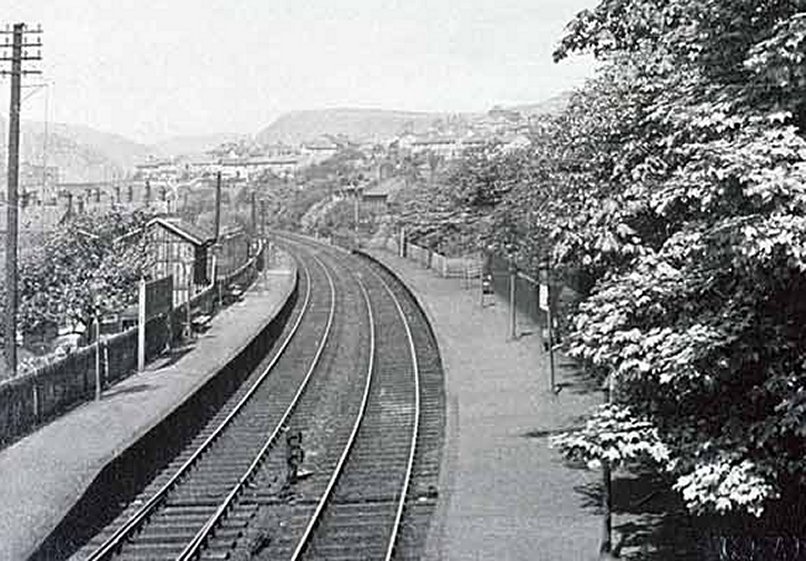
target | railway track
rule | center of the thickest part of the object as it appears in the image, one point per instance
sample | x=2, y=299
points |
x=168, y=513
x=423, y=490
x=361, y=513
x=382, y=492
x=358, y=375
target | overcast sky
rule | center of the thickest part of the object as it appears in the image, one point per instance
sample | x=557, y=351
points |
x=150, y=69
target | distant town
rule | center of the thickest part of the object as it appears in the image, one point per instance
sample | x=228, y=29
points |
x=167, y=182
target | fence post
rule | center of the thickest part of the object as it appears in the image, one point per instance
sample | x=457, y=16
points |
x=106, y=361
x=170, y=326
x=188, y=324
x=36, y=400
x=485, y=280
x=550, y=322
x=402, y=248
x=481, y=289
x=512, y=278
x=98, y=383
x=141, y=327
x=544, y=302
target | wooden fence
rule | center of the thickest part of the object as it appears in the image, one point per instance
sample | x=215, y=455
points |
x=467, y=266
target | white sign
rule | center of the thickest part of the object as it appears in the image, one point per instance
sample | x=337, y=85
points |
x=543, y=297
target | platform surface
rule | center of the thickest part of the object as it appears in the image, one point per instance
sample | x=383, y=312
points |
x=45, y=473
x=504, y=494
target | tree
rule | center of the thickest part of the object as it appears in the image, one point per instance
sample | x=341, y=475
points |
x=694, y=226
x=103, y=252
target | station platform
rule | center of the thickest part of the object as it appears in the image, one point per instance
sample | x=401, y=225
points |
x=46, y=472
x=504, y=494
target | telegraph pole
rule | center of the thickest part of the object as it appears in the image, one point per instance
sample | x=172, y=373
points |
x=19, y=46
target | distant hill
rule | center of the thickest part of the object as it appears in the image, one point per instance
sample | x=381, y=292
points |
x=81, y=153
x=194, y=145
x=86, y=154
x=362, y=125
x=551, y=106
x=121, y=151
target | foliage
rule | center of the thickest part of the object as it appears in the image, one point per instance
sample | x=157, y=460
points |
x=315, y=185
x=697, y=237
x=91, y=260
x=615, y=436
x=340, y=216
x=449, y=212
x=676, y=179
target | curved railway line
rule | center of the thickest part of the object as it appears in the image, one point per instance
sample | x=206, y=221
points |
x=358, y=374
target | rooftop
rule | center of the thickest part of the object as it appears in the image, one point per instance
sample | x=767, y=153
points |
x=192, y=233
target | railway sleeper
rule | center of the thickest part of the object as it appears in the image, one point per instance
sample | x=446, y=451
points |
x=173, y=525
x=339, y=551
x=150, y=551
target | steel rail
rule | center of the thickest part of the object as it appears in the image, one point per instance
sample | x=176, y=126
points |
x=320, y=507
x=201, y=536
x=416, y=425
x=116, y=539
x=415, y=429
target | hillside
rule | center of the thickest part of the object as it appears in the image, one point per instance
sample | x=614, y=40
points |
x=122, y=151
x=364, y=125
x=81, y=153
x=355, y=124
x=550, y=106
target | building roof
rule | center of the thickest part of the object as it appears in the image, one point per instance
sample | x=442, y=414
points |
x=192, y=233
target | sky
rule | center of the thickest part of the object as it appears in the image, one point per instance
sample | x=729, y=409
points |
x=150, y=69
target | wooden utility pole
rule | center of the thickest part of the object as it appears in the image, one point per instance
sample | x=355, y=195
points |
x=19, y=52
